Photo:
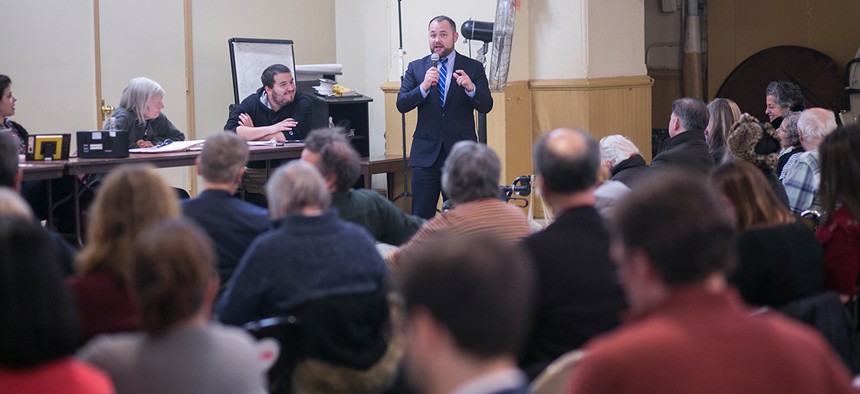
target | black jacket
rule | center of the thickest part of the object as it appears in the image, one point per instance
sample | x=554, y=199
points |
x=687, y=150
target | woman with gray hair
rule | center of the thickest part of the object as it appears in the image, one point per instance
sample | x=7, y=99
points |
x=789, y=139
x=139, y=113
x=326, y=273
x=309, y=252
x=781, y=97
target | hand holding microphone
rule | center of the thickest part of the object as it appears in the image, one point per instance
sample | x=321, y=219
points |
x=432, y=74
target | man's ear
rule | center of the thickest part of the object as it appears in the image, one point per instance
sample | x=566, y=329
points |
x=424, y=331
x=197, y=164
x=18, y=179
x=640, y=265
x=239, y=175
x=331, y=182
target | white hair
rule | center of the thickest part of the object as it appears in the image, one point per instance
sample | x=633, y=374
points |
x=617, y=148
x=137, y=94
x=816, y=123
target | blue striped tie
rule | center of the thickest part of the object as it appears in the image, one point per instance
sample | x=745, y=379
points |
x=443, y=74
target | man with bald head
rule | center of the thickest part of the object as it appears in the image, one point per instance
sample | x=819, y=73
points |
x=578, y=294
x=801, y=182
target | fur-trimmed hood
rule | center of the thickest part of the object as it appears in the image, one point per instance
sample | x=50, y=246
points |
x=314, y=375
x=754, y=142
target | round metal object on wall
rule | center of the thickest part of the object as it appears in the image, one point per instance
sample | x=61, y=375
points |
x=817, y=74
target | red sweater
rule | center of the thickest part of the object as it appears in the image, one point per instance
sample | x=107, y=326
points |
x=66, y=375
x=840, y=237
x=700, y=342
x=104, y=306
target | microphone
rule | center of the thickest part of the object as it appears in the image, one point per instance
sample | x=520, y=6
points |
x=434, y=58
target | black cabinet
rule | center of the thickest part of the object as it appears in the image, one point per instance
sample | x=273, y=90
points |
x=347, y=111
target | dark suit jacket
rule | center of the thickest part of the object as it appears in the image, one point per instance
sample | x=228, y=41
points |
x=439, y=127
x=578, y=291
x=230, y=222
x=688, y=151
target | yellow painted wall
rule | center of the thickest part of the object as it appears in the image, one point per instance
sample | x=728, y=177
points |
x=738, y=29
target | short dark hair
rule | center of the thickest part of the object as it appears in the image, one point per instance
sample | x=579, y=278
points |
x=692, y=112
x=8, y=160
x=5, y=81
x=443, y=18
x=567, y=173
x=788, y=95
x=471, y=172
x=174, y=262
x=268, y=77
x=680, y=224
x=479, y=288
x=337, y=156
x=38, y=319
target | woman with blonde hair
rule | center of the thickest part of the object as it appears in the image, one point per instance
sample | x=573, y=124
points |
x=779, y=259
x=180, y=348
x=131, y=199
x=722, y=114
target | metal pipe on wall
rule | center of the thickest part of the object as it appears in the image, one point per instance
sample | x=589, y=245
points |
x=692, y=64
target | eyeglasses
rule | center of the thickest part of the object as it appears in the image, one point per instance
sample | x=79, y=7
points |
x=164, y=143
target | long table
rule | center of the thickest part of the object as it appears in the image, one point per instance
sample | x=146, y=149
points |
x=78, y=166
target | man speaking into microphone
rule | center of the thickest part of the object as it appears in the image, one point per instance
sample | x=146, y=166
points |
x=447, y=88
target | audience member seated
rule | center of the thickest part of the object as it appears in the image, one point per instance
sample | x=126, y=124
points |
x=38, y=322
x=470, y=179
x=10, y=179
x=625, y=163
x=139, y=113
x=327, y=273
x=688, y=331
x=686, y=147
x=468, y=302
x=180, y=349
x=779, y=259
x=722, y=114
x=789, y=140
x=756, y=143
x=840, y=197
x=132, y=198
x=276, y=111
x=309, y=254
x=801, y=183
x=577, y=287
x=231, y=223
x=782, y=97
x=337, y=160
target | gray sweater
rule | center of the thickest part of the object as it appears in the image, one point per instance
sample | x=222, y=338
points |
x=211, y=359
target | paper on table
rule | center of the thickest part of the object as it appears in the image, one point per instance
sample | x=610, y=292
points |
x=176, y=146
x=263, y=143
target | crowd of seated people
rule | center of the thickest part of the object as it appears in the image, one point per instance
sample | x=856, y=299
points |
x=689, y=249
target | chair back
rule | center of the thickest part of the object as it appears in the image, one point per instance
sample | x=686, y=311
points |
x=556, y=377
x=286, y=330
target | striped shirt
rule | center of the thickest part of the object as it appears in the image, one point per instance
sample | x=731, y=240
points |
x=489, y=216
